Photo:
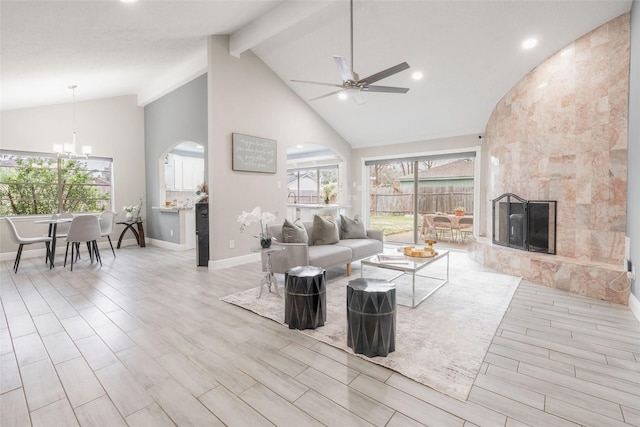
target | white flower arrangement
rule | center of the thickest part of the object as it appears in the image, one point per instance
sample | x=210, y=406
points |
x=137, y=208
x=256, y=215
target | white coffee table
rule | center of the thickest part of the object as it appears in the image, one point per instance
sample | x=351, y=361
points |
x=408, y=265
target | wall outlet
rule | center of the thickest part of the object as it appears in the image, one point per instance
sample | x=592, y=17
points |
x=232, y=244
x=279, y=185
x=171, y=232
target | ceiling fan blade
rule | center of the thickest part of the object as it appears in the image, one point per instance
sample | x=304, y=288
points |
x=317, y=83
x=384, y=74
x=345, y=71
x=325, y=95
x=387, y=89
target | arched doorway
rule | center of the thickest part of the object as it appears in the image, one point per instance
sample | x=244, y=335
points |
x=182, y=170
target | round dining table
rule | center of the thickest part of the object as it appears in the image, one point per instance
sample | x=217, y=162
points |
x=53, y=228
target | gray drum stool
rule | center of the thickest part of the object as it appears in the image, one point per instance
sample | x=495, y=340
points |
x=305, y=297
x=371, y=316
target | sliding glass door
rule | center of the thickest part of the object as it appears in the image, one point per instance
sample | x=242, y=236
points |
x=392, y=204
x=404, y=192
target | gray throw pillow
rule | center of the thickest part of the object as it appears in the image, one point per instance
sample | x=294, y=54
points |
x=325, y=230
x=294, y=232
x=353, y=228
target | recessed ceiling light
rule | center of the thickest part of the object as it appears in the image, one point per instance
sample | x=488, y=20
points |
x=529, y=43
x=417, y=75
x=541, y=85
x=342, y=96
x=128, y=1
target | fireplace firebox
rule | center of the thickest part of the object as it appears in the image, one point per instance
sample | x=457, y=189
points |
x=528, y=225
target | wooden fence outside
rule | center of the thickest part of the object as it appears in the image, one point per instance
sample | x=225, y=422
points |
x=432, y=199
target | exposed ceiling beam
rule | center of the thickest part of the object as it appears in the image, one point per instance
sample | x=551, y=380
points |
x=279, y=19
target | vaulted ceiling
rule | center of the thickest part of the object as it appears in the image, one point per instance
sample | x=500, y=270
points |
x=469, y=52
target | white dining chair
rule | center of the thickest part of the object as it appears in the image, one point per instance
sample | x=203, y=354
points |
x=107, y=224
x=21, y=241
x=84, y=228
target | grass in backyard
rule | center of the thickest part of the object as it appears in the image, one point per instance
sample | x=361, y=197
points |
x=392, y=224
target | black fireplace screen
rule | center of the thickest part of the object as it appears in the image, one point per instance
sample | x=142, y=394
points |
x=529, y=225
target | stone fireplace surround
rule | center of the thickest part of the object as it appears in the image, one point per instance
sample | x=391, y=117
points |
x=592, y=279
x=561, y=134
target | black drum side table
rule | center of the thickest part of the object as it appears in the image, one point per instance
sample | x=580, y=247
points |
x=371, y=317
x=305, y=305
x=128, y=225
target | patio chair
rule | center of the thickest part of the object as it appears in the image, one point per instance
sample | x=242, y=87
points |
x=466, y=228
x=442, y=225
x=428, y=229
x=21, y=241
x=84, y=228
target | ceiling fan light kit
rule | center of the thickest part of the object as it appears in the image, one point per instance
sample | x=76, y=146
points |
x=352, y=85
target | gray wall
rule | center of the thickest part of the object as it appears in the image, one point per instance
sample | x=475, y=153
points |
x=633, y=189
x=178, y=116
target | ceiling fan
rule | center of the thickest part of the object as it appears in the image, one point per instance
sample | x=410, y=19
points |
x=352, y=84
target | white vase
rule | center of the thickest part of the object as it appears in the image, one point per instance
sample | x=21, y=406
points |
x=129, y=216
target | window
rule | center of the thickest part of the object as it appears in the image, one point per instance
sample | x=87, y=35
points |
x=41, y=184
x=312, y=185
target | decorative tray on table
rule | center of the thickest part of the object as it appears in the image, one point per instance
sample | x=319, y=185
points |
x=417, y=252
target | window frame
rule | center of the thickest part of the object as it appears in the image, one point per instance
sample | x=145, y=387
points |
x=318, y=178
x=58, y=163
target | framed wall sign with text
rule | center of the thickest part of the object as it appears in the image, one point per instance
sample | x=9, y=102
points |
x=253, y=154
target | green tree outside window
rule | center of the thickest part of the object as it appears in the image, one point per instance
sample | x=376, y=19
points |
x=46, y=185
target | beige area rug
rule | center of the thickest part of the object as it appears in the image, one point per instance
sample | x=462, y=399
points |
x=441, y=343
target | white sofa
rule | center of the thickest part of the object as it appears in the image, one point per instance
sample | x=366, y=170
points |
x=326, y=256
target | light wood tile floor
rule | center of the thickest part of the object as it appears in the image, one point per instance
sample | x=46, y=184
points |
x=145, y=341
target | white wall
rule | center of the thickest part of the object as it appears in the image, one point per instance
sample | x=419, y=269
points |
x=246, y=97
x=114, y=127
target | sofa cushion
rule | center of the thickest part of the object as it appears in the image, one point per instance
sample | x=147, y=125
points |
x=362, y=248
x=325, y=230
x=329, y=255
x=294, y=232
x=352, y=228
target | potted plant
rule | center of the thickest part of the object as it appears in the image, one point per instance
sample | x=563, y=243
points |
x=328, y=190
x=459, y=211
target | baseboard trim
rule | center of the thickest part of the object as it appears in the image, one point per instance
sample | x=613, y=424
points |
x=232, y=262
x=167, y=245
x=634, y=305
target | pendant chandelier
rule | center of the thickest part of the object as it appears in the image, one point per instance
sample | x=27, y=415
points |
x=69, y=149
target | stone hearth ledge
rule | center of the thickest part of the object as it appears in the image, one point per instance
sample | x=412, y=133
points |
x=592, y=279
